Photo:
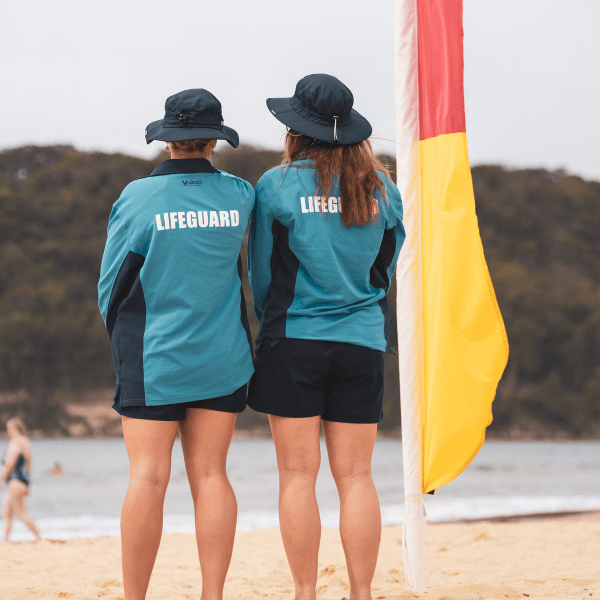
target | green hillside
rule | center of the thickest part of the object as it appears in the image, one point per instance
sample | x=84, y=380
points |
x=539, y=230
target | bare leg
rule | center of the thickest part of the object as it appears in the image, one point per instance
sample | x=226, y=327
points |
x=298, y=460
x=19, y=492
x=205, y=439
x=350, y=449
x=149, y=446
x=7, y=515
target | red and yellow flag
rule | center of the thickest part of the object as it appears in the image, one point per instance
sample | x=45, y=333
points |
x=464, y=348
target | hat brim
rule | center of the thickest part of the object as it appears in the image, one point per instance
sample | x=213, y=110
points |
x=156, y=131
x=357, y=130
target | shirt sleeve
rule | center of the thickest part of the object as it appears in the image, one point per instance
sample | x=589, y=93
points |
x=260, y=250
x=115, y=252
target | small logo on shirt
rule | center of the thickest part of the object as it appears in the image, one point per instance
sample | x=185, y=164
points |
x=191, y=181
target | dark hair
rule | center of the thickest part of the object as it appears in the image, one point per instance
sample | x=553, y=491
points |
x=190, y=145
x=354, y=165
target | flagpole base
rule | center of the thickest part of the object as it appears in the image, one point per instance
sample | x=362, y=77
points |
x=413, y=543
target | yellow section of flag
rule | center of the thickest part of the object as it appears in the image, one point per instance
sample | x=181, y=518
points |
x=464, y=339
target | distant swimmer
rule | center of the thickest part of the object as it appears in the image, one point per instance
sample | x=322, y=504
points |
x=56, y=470
x=15, y=471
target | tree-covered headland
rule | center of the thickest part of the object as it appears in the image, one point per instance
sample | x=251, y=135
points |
x=539, y=230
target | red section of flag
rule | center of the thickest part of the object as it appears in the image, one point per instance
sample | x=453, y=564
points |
x=441, y=87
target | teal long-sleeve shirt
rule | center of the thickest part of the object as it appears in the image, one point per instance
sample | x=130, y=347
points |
x=312, y=277
x=170, y=287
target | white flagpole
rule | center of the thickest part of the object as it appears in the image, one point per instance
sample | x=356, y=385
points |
x=409, y=298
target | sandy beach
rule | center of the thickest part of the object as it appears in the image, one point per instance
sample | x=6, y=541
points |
x=545, y=558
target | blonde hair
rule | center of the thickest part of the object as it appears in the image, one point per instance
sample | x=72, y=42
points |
x=18, y=423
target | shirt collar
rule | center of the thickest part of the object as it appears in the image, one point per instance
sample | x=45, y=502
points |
x=179, y=166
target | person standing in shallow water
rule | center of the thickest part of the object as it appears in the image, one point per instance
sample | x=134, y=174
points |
x=323, y=246
x=171, y=297
x=15, y=471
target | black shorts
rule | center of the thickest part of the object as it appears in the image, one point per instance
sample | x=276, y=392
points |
x=233, y=403
x=306, y=378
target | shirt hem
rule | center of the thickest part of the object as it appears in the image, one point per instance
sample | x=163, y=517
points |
x=331, y=339
x=192, y=398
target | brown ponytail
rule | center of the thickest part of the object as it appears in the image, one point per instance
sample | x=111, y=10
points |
x=355, y=166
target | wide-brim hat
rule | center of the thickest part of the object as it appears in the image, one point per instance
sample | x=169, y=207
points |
x=321, y=108
x=192, y=115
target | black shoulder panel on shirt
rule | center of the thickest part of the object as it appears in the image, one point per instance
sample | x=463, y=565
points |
x=379, y=279
x=126, y=324
x=284, y=270
x=180, y=166
x=243, y=309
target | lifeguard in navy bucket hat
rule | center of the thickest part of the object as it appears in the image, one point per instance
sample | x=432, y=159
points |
x=321, y=108
x=192, y=115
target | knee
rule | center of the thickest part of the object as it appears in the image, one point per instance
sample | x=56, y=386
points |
x=151, y=474
x=206, y=474
x=298, y=468
x=19, y=513
x=348, y=473
x=208, y=467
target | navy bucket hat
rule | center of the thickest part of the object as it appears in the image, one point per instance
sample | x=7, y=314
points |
x=321, y=108
x=191, y=115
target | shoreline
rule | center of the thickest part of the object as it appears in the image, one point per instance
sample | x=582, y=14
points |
x=592, y=515
x=90, y=416
x=95, y=528
x=265, y=433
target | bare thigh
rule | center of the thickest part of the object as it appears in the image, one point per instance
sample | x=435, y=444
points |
x=297, y=444
x=350, y=447
x=18, y=490
x=149, y=445
x=7, y=505
x=205, y=440
x=16, y=493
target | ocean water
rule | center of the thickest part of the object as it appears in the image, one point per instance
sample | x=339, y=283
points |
x=505, y=479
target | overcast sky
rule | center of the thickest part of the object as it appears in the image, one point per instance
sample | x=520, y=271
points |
x=95, y=74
